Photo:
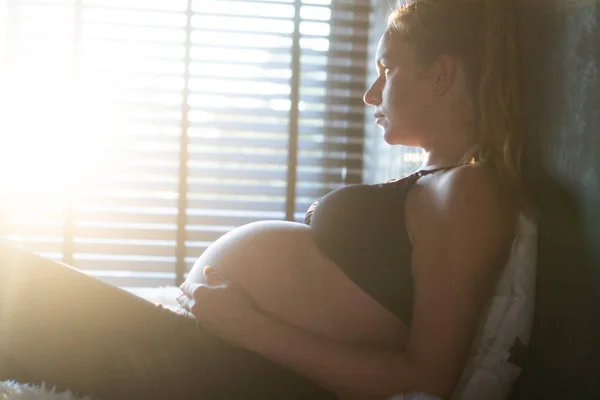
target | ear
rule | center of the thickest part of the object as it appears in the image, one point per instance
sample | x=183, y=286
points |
x=444, y=73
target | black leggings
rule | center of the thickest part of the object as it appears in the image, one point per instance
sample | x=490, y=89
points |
x=62, y=327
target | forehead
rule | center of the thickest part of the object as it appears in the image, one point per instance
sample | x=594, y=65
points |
x=392, y=47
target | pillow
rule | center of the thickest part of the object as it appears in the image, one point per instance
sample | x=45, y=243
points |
x=506, y=324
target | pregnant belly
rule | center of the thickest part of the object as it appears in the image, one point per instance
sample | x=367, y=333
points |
x=283, y=271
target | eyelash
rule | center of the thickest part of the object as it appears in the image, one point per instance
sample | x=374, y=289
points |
x=386, y=70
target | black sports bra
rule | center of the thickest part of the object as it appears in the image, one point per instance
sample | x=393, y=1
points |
x=362, y=229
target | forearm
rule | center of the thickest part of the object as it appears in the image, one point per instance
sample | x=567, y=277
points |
x=349, y=371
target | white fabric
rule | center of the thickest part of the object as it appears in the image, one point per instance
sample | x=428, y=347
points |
x=488, y=374
x=10, y=390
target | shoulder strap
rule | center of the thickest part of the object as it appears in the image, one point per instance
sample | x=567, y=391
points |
x=424, y=172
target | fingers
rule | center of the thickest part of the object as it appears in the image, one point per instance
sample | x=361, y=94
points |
x=182, y=311
x=189, y=288
x=186, y=303
x=187, y=306
x=191, y=295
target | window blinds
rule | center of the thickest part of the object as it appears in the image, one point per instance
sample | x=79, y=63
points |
x=193, y=117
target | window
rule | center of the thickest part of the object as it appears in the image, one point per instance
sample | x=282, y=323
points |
x=138, y=132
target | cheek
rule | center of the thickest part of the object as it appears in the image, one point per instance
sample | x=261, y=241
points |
x=406, y=113
x=403, y=104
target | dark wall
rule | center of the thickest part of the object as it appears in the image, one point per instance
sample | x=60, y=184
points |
x=561, y=59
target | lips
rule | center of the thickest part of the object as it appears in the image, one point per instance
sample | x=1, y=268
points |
x=378, y=118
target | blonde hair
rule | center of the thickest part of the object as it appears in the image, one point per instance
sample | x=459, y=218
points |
x=482, y=34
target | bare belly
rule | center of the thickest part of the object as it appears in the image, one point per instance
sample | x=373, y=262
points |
x=283, y=271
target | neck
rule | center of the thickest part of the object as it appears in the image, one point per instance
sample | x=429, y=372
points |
x=445, y=157
x=449, y=146
x=452, y=132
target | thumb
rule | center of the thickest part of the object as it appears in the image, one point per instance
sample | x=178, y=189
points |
x=212, y=277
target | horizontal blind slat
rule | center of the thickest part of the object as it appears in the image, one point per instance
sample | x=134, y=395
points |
x=90, y=246
x=149, y=265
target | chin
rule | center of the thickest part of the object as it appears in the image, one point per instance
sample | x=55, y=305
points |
x=399, y=138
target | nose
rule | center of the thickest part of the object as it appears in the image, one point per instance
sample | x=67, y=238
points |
x=373, y=96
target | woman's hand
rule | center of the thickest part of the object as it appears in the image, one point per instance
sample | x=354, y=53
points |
x=220, y=307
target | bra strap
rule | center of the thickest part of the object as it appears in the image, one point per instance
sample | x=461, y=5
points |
x=424, y=172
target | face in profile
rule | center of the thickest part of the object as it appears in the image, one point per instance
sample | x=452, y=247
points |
x=401, y=93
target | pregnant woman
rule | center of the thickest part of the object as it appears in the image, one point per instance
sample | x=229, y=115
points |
x=379, y=293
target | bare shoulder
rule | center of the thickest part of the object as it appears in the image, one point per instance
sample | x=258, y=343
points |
x=471, y=195
x=476, y=190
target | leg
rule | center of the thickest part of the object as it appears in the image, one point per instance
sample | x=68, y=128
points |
x=68, y=329
x=71, y=330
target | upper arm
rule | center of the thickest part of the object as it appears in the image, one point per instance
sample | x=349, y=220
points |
x=457, y=253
